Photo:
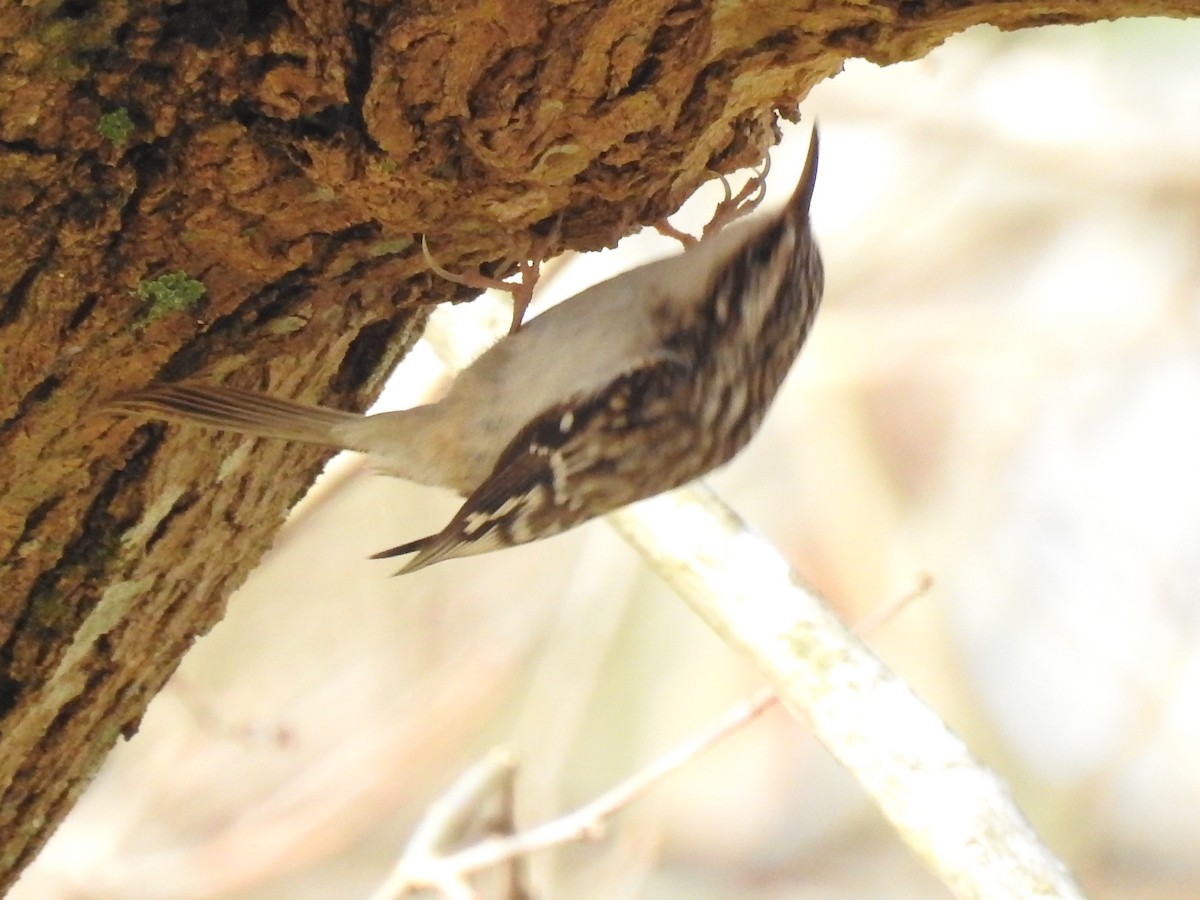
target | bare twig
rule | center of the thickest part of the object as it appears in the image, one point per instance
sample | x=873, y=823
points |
x=209, y=719
x=880, y=617
x=423, y=866
x=585, y=823
x=445, y=823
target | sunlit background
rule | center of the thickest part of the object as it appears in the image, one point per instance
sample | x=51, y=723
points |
x=1002, y=392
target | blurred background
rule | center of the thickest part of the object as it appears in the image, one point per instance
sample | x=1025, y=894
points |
x=1002, y=392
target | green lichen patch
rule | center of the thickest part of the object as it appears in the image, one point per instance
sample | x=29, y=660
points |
x=116, y=126
x=168, y=293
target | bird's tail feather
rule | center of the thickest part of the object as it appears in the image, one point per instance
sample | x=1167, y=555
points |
x=234, y=410
x=446, y=544
x=421, y=546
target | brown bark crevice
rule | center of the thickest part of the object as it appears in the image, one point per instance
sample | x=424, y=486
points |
x=289, y=158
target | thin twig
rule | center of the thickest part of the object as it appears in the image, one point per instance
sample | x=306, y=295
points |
x=585, y=823
x=445, y=822
x=879, y=617
x=422, y=866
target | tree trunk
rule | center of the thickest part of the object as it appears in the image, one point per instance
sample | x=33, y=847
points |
x=239, y=195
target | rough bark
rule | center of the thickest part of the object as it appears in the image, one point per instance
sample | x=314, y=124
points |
x=288, y=158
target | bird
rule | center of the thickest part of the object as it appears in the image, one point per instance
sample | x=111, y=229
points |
x=630, y=388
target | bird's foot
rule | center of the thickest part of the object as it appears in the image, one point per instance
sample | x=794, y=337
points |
x=529, y=270
x=733, y=207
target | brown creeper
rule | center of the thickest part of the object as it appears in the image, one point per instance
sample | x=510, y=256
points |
x=637, y=385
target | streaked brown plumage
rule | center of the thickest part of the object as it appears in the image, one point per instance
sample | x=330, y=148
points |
x=632, y=387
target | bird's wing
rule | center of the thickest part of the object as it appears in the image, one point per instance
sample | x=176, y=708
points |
x=573, y=462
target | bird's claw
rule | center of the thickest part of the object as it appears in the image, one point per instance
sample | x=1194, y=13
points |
x=529, y=269
x=733, y=207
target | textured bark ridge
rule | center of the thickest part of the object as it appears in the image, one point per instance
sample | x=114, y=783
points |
x=237, y=192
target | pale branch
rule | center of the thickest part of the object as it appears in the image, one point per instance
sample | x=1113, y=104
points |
x=954, y=812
